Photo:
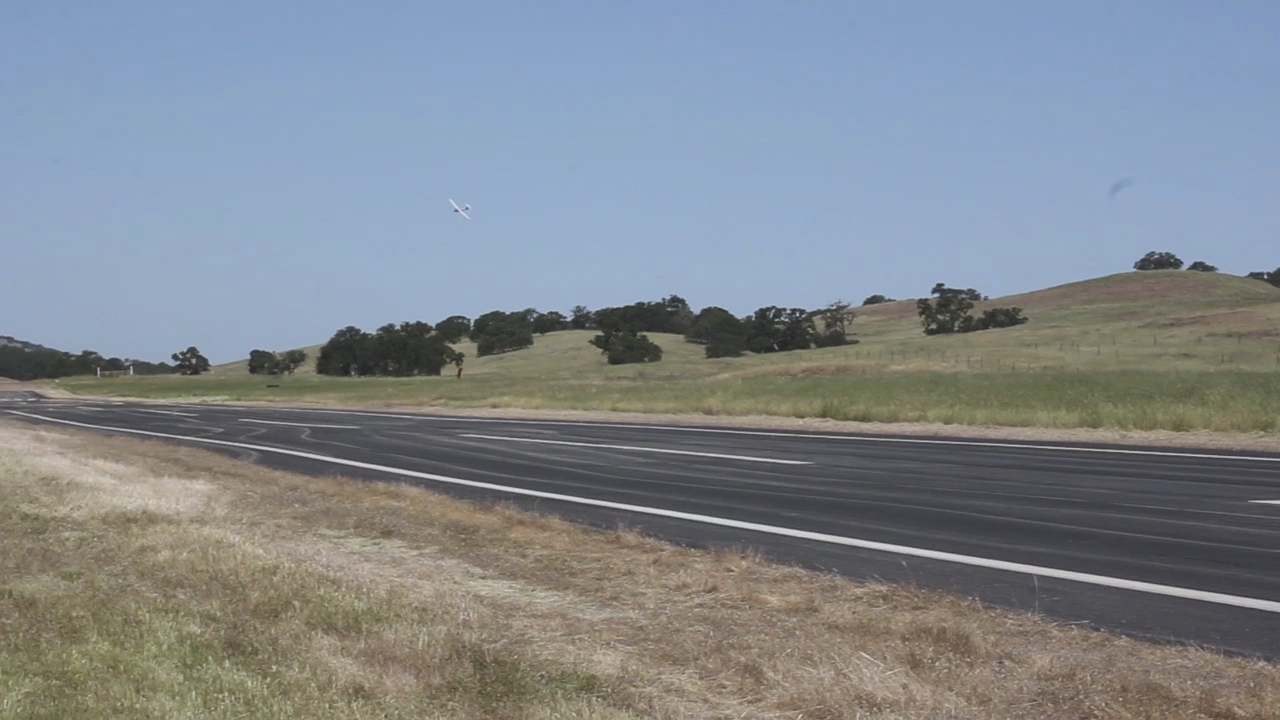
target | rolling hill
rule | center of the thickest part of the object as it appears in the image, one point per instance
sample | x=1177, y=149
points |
x=1168, y=350
x=1164, y=319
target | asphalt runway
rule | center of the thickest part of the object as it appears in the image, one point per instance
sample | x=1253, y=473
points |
x=1170, y=545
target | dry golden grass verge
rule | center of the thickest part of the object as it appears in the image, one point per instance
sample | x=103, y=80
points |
x=146, y=580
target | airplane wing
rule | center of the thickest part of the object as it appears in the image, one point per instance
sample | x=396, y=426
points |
x=463, y=214
x=455, y=205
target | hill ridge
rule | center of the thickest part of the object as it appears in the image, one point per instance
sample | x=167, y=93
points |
x=1210, y=304
x=10, y=341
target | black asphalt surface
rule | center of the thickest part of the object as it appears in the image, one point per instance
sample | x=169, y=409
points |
x=18, y=396
x=1171, y=518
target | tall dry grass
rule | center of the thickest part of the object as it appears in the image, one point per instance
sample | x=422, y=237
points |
x=142, y=579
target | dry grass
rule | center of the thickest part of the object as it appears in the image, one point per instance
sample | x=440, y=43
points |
x=143, y=579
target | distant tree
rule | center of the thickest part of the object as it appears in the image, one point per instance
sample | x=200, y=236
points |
x=776, y=329
x=408, y=349
x=190, y=361
x=142, y=367
x=969, y=294
x=623, y=347
x=291, y=360
x=549, y=322
x=499, y=332
x=87, y=362
x=836, y=318
x=1001, y=318
x=405, y=350
x=1158, y=261
x=677, y=316
x=454, y=328
x=482, y=323
x=346, y=354
x=19, y=363
x=948, y=312
x=262, y=362
x=389, y=351
x=1201, y=266
x=720, y=331
x=877, y=299
x=581, y=318
x=504, y=339
x=1272, y=277
x=27, y=361
x=671, y=314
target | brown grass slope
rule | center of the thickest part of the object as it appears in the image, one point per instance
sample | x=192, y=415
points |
x=1167, y=316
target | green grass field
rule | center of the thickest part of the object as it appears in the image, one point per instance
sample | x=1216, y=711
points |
x=1153, y=350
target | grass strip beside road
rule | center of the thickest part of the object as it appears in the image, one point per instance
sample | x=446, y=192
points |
x=1226, y=401
x=215, y=587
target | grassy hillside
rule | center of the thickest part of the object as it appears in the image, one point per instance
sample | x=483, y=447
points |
x=1149, y=320
x=1170, y=350
x=241, y=367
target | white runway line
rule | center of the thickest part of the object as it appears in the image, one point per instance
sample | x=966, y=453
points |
x=305, y=425
x=166, y=412
x=1271, y=606
x=803, y=435
x=750, y=458
x=1266, y=502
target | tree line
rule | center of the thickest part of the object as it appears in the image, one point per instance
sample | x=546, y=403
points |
x=404, y=350
x=1166, y=260
x=265, y=362
x=24, y=362
x=622, y=337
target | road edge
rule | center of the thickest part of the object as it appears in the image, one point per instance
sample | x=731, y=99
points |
x=1108, y=437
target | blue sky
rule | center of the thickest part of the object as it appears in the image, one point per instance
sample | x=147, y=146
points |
x=237, y=175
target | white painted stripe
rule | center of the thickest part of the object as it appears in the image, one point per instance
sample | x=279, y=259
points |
x=166, y=412
x=642, y=449
x=799, y=435
x=1266, y=502
x=305, y=425
x=1135, y=585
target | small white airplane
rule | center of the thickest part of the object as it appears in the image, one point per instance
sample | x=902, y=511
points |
x=461, y=210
